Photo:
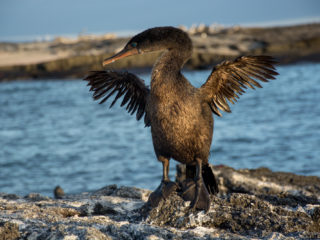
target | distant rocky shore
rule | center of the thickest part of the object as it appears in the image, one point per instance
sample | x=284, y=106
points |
x=252, y=204
x=73, y=58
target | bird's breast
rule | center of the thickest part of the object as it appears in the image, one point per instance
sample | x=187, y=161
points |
x=178, y=125
x=181, y=123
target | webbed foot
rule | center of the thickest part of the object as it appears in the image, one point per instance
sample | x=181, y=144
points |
x=162, y=192
x=189, y=193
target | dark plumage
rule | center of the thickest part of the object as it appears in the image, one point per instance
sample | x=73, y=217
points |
x=179, y=114
x=105, y=84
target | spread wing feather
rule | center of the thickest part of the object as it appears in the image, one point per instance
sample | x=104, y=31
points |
x=229, y=79
x=105, y=84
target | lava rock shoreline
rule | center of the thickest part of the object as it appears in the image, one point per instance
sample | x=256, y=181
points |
x=252, y=204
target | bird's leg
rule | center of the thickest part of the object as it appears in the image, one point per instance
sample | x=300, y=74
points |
x=199, y=183
x=165, y=188
x=194, y=189
x=165, y=169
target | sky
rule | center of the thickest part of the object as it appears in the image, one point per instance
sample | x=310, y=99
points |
x=31, y=18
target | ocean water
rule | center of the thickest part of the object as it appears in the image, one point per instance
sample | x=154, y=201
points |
x=53, y=133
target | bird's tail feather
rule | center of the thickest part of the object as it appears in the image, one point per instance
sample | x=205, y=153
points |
x=208, y=177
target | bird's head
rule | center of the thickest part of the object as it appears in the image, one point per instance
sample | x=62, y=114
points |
x=153, y=39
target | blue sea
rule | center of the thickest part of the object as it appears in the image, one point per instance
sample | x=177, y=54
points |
x=53, y=133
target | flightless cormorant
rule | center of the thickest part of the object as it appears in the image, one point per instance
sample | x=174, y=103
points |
x=180, y=115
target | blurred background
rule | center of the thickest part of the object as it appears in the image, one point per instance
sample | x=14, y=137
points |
x=53, y=133
x=38, y=19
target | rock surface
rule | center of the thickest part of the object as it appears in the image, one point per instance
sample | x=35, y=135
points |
x=63, y=58
x=251, y=204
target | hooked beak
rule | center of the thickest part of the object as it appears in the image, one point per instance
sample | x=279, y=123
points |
x=123, y=53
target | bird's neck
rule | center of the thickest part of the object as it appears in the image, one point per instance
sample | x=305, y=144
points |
x=169, y=64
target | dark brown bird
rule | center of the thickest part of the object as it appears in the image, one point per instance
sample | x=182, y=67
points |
x=180, y=115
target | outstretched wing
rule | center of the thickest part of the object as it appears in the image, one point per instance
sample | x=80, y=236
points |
x=104, y=84
x=229, y=79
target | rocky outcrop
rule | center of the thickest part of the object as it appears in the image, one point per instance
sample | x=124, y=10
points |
x=63, y=58
x=251, y=204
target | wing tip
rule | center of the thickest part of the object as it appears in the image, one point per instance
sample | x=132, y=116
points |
x=106, y=83
x=230, y=79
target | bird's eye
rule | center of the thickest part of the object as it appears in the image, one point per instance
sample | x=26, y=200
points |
x=134, y=44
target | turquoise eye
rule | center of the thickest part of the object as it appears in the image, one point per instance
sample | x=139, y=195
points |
x=133, y=44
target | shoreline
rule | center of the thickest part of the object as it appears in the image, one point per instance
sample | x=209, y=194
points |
x=74, y=58
x=251, y=204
